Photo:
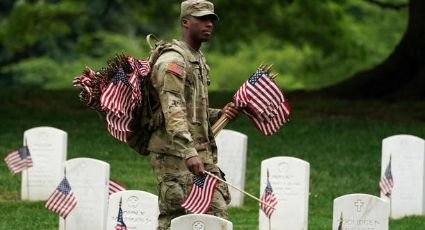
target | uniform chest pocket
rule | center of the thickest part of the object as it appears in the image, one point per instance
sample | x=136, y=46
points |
x=196, y=70
x=193, y=92
x=191, y=83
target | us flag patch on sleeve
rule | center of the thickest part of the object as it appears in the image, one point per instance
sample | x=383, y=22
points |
x=175, y=69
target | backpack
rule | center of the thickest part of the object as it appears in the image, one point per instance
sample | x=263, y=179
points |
x=123, y=95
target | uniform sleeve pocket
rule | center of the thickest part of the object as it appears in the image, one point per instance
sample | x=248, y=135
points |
x=173, y=84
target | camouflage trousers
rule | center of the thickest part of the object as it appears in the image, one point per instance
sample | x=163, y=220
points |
x=174, y=182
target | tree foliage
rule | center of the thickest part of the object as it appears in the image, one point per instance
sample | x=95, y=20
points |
x=314, y=36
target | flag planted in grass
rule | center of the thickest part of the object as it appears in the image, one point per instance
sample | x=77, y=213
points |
x=19, y=160
x=115, y=186
x=62, y=201
x=120, y=221
x=269, y=200
x=386, y=183
x=200, y=196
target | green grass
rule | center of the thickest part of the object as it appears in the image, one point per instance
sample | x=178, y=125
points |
x=340, y=139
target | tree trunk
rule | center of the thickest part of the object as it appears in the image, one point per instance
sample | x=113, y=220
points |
x=401, y=75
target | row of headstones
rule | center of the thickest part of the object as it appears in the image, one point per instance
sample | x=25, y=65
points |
x=96, y=209
x=290, y=180
x=407, y=153
x=89, y=180
x=48, y=147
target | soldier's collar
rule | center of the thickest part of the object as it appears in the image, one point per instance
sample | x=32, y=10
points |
x=194, y=55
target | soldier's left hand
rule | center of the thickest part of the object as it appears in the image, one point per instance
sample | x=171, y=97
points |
x=230, y=111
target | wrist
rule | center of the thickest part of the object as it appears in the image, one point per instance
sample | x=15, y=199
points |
x=189, y=153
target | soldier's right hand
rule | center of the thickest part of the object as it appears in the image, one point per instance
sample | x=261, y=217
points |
x=230, y=111
x=195, y=165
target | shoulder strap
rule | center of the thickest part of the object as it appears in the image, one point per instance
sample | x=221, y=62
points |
x=160, y=47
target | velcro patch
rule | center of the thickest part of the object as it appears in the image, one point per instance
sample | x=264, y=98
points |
x=175, y=69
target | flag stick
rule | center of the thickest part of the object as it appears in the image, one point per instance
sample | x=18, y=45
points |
x=390, y=197
x=27, y=172
x=340, y=222
x=28, y=184
x=270, y=222
x=240, y=190
x=219, y=125
x=64, y=219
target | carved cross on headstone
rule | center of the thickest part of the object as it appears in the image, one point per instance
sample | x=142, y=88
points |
x=360, y=211
x=358, y=205
x=198, y=225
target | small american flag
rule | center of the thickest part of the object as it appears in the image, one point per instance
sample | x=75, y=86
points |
x=19, y=160
x=268, y=198
x=386, y=183
x=200, y=196
x=115, y=186
x=263, y=101
x=120, y=222
x=62, y=201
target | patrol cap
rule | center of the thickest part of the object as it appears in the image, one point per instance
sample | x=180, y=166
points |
x=197, y=8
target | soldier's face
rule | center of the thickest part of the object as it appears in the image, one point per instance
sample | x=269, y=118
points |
x=201, y=28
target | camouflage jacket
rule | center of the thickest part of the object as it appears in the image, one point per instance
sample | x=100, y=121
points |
x=180, y=77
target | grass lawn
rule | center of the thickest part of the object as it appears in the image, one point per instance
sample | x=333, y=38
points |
x=340, y=139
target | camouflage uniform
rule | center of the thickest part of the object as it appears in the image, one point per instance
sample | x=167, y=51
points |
x=180, y=77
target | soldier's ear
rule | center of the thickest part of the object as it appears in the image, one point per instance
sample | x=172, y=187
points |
x=185, y=21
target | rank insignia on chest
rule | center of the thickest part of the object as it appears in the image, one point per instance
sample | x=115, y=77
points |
x=175, y=69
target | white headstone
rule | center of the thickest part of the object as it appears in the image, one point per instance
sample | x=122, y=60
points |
x=89, y=180
x=289, y=178
x=360, y=211
x=48, y=149
x=200, y=222
x=232, y=148
x=140, y=210
x=407, y=154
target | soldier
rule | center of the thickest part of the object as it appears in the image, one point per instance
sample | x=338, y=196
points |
x=185, y=143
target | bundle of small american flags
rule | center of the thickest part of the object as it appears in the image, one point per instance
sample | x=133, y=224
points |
x=115, y=92
x=262, y=100
x=89, y=82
